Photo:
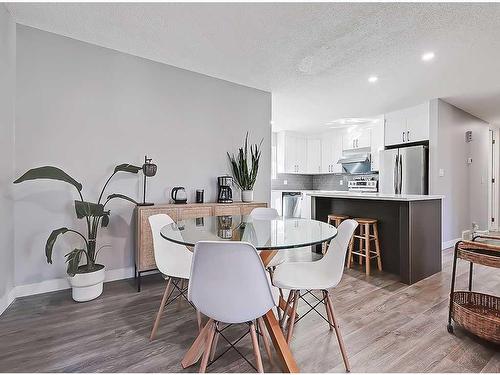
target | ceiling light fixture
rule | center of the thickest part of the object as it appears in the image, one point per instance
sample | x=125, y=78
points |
x=372, y=79
x=428, y=56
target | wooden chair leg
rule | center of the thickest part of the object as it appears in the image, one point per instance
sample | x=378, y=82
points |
x=256, y=350
x=367, y=249
x=198, y=318
x=349, y=255
x=291, y=322
x=287, y=308
x=330, y=321
x=377, y=247
x=339, y=336
x=361, y=232
x=267, y=345
x=208, y=347
x=214, y=345
x=162, y=307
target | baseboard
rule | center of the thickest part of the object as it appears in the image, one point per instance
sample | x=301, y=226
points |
x=56, y=284
x=6, y=300
x=451, y=243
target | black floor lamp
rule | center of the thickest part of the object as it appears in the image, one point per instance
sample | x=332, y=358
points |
x=149, y=169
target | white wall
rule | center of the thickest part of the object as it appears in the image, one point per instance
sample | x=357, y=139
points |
x=85, y=109
x=464, y=186
x=7, y=100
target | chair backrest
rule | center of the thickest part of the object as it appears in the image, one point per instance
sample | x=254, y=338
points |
x=170, y=258
x=264, y=213
x=334, y=259
x=228, y=282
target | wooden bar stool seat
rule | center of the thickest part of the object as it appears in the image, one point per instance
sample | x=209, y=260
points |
x=334, y=220
x=367, y=233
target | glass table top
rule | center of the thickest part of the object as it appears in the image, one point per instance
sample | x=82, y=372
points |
x=273, y=234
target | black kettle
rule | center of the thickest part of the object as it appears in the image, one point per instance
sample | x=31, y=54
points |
x=179, y=195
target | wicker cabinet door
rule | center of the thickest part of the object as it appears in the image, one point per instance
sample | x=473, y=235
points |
x=194, y=212
x=227, y=210
x=145, y=258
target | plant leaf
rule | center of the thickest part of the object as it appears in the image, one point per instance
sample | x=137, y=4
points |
x=49, y=173
x=87, y=209
x=73, y=259
x=121, y=196
x=127, y=168
x=51, y=241
x=105, y=221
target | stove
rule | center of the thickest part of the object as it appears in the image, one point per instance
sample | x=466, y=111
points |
x=363, y=184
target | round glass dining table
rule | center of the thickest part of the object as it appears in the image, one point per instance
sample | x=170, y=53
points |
x=275, y=234
x=269, y=236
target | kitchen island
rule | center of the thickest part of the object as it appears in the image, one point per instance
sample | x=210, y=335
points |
x=409, y=227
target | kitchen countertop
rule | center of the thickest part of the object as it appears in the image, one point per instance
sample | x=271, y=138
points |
x=372, y=196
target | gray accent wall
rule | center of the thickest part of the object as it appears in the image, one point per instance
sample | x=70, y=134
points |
x=86, y=109
x=7, y=107
x=464, y=186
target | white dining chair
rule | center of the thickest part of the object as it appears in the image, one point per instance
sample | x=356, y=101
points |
x=173, y=261
x=268, y=213
x=229, y=284
x=317, y=276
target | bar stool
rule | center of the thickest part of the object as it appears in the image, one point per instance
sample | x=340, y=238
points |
x=368, y=232
x=334, y=220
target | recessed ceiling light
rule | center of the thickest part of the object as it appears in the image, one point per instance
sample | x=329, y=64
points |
x=428, y=56
x=349, y=121
x=372, y=79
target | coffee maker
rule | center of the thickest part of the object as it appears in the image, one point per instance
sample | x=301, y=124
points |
x=225, y=194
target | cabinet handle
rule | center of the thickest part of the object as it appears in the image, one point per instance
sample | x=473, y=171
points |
x=408, y=136
x=404, y=137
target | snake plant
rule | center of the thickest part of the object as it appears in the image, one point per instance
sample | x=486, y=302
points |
x=95, y=215
x=245, y=172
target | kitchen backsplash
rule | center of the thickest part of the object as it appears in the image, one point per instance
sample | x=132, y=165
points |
x=313, y=182
x=293, y=182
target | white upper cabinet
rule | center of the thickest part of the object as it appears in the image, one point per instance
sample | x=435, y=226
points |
x=407, y=125
x=291, y=153
x=356, y=137
x=331, y=151
x=313, y=155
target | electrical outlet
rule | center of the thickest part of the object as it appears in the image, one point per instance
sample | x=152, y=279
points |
x=441, y=172
x=341, y=182
x=285, y=182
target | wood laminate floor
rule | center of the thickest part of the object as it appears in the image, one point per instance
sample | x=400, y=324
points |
x=387, y=327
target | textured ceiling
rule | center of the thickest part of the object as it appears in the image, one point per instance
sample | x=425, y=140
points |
x=314, y=58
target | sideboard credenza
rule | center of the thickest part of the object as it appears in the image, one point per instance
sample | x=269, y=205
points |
x=144, y=254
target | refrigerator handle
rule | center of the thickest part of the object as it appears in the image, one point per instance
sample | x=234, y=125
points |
x=396, y=169
x=400, y=188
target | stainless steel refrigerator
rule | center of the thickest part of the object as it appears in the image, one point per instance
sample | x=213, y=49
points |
x=404, y=170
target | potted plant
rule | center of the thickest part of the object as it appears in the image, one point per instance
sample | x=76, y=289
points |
x=245, y=172
x=87, y=278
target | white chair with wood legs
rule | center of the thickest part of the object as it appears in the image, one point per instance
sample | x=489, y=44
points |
x=173, y=261
x=317, y=276
x=229, y=284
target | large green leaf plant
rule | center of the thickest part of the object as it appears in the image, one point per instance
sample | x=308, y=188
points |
x=95, y=215
x=245, y=171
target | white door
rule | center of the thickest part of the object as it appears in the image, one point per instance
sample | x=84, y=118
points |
x=363, y=138
x=417, y=123
x=313, y=156
x=349, y=140
x=290, y=154
x=336, y=151
x=395, y=128
x=326, y=152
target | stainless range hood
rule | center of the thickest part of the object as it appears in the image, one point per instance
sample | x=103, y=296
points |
x=356, y=163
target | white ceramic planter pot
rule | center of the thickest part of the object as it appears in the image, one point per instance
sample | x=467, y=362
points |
x=87, y=286
x=247, y=195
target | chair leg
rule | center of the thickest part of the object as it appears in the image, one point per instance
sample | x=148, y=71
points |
x=291, y=322
x=330, y=321
x=367, y=249
x=263, y=330
x=377, y=247
x=214, y=345
x=198, y=318
x=162, y=307
x=256, y=350
x=339, y=336
x=350, y=256
x=361, y=232
x=208, y=347
x=287, y=307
